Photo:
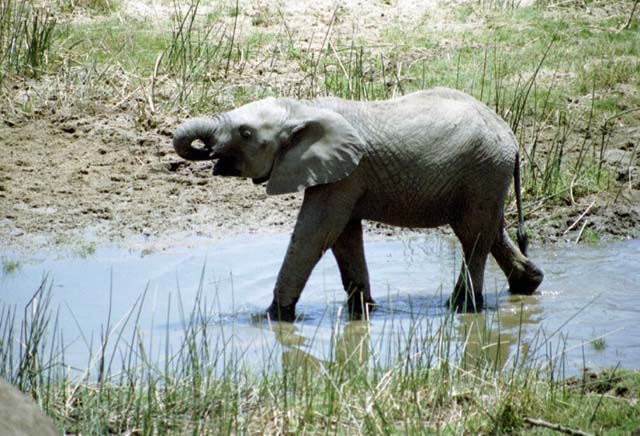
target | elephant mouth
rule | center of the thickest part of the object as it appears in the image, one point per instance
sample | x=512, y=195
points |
x=226, y=167
x=260, y=180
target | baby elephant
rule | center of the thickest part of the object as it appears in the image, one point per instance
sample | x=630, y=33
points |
x=427, y=159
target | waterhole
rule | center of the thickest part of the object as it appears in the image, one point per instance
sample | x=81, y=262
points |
x=585, y=314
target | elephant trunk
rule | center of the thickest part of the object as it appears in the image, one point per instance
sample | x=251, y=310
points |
x=198, y=128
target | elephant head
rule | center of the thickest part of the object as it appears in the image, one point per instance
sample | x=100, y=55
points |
x=289, y=144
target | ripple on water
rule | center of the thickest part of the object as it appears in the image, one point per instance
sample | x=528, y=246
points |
x=590, y=291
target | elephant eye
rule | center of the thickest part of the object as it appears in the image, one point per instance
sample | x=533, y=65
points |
x=245, y=132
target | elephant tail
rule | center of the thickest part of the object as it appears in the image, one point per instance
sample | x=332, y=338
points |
x=523, y=239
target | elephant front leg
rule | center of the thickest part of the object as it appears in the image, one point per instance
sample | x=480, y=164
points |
x=323, y=216
x=349, y=253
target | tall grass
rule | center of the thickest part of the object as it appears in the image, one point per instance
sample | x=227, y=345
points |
x=195, y=54
x=349, y=73
x=95, y=6
x=26, y=37
x=525, y=66
x=458, y=374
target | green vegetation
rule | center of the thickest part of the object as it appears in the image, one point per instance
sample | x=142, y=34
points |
x=126, y=43
x=10, y=266
x=599, y=344
x=566, y=81
x=92, y=6
x=85, y=249
x=452, y=377
x=26, y=37
x=590, y=236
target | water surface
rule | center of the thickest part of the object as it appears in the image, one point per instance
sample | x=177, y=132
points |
x=585, y=314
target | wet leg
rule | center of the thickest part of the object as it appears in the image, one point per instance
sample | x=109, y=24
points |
x=476, y=231
x=325, y=212
x=523, y=275
x=349, y=253
x=467, y=294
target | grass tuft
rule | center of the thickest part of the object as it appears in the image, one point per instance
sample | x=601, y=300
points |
x=94, y=6
x=442, y=379
x=10, y=266
x=26, y=36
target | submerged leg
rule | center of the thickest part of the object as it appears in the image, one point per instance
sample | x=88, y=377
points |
x=324, y=214
x=467, y=294
x=349, y=253
x=476, y=231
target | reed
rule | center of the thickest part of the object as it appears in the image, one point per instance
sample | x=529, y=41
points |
x=26, y=36
x=444, y=374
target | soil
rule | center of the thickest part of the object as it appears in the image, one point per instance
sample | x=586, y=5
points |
x=100, y=172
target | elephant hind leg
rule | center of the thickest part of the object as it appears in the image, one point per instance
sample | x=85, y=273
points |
x=349, y=253
x=523, y=275
x=476, y=227
x=467, y=294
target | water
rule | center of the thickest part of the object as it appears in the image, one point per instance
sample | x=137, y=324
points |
x=585, y=313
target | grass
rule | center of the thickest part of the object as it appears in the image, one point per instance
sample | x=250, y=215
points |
x=27, y=34
x=563, y=79
x=448, y=377
x=85, y=249
x=10, y=266
x=508, y=63
x=132, y=44
x=93, y=6
x=599, y=344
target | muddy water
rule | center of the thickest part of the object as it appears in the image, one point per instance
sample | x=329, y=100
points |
x=587, y=312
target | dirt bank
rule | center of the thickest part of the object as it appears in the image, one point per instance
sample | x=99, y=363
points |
x=68, y=178
x=70, y=173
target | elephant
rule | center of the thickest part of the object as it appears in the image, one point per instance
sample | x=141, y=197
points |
x=427, y=159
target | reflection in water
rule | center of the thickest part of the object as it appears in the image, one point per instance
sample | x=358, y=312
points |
x=491, y=339
x=350, y=348
x=585, y=295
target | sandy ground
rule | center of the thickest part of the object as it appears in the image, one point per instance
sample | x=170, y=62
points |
x=71, y=174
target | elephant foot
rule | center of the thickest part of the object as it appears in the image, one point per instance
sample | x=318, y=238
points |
x=275, y=312
x=525, y=281
x=360, y=308
x=463, y=302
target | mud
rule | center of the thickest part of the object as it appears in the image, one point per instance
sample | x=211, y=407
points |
x=71, y=177
x=100, y=171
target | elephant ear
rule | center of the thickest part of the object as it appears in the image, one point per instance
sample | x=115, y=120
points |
x=318, y=146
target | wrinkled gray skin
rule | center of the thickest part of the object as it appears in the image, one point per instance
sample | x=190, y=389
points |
x=20, y=416
x=427, y=159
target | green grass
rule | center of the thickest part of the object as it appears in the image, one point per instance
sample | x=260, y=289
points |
x=10, y=266
x=586, y=51
x=599, y=344
x=26, y=37
x=132, y=44
x=99, y=7
x=205, y=386
x=85, y=249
